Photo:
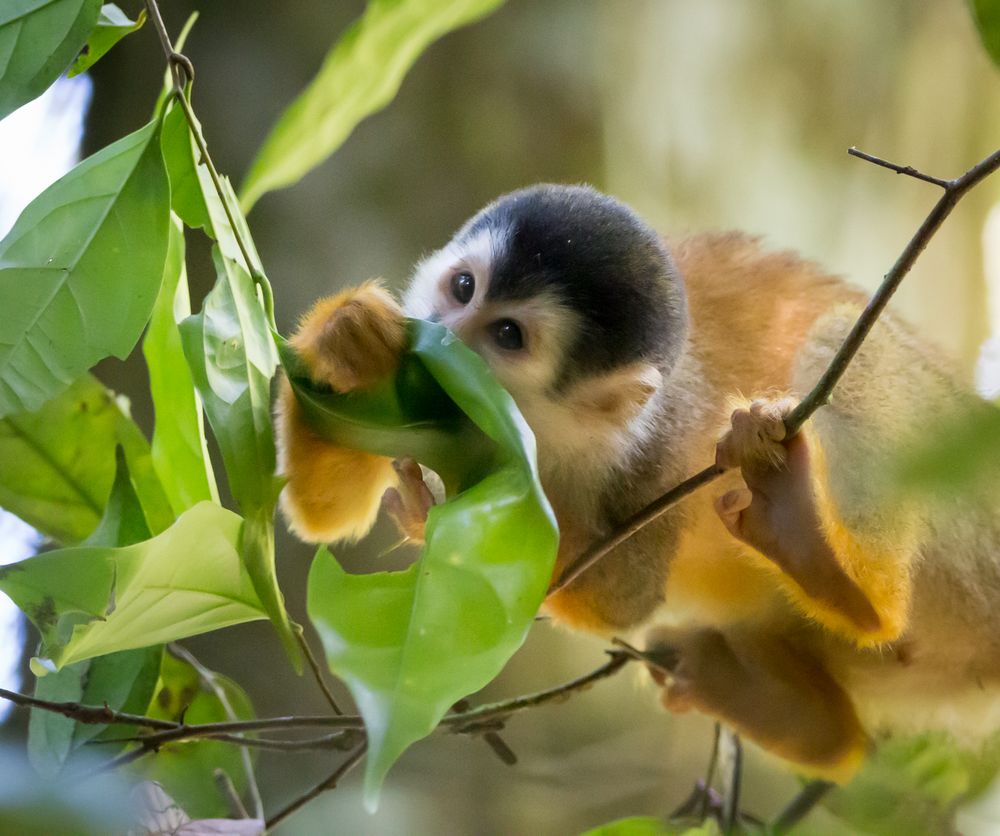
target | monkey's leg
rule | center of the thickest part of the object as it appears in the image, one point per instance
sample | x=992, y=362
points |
x=348, y=342
x=852, y=583
x=764, y=688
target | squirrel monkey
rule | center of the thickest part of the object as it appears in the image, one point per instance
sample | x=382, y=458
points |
x=796, y=599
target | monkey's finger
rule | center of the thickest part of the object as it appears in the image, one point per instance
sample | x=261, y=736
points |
x=416, y=495
x=730, y=507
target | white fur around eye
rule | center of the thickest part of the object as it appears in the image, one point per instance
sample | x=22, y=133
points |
x=429, y=289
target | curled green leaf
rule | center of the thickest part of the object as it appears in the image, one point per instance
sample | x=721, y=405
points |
x=410, y=644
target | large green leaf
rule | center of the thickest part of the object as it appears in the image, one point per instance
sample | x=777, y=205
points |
x=187, y=769
x=38, y=40
x=180, y=454
x=986, y=14
x=81, y=268
x=410, y=644
x=59, y=463
x=112, y=25
x=359, y=76
x=232, y=359
x=88, y=601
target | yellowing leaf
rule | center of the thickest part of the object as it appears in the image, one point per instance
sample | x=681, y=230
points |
x=89, y=601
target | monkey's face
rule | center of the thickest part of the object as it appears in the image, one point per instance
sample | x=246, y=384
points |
x=571, y=301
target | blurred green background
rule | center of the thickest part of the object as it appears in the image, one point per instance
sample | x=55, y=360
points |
x=709, y=114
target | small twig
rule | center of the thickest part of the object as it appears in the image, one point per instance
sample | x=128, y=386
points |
x=954, y=190
x=713, y=762
x=211, y=681
x=908, y=170
x=337, y=741
x=491, y=738
x=803, y=803
x=314, y=666
x=228, y=790
x=733, y=780
x=88, y=714
x=473, y=719
x=327, y=784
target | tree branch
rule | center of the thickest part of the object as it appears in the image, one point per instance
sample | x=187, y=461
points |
x=479, y=720
x=954, y=190
x=324, y=785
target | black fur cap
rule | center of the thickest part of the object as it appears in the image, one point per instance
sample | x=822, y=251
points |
x=602, y=260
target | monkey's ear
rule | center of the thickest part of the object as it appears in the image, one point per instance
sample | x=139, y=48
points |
x=618, y=395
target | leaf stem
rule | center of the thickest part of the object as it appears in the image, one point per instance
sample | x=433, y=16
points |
x=182, y=71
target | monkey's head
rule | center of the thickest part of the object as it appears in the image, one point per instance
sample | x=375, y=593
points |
x=574, y=303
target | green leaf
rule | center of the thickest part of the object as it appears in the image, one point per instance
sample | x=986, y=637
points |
x=912, y=785
x=961, y=452
x=89, y=601
x=59, y=463
x=180, y=453
x=986, y=14
x=411, y=644
x=187, y=769
x=116, y=680
x=38, y=40
x=80, y=270
x=112, y=25
x=123, y=681
x=232, y=359
x=195, y=198
x=359, y=76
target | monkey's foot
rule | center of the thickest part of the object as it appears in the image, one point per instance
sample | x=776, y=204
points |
x=409, y=502
x=762, y=688
x=354, y=339
x=777, y=514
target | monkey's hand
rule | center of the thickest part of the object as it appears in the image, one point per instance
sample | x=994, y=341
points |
x=352, y=340
x=765, y=689
x=348, y=342
x=409, y=502
x=781, y=515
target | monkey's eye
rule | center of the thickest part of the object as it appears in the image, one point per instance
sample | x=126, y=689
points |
x=507, y=335
x=463, y=285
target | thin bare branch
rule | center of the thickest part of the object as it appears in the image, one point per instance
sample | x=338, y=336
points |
x=908, y=170
x=315, y=668
x=89, y=714
x=326, y=784
x=954, y=190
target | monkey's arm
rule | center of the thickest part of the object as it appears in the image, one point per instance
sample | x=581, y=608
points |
x=348, y=342
x=820, y=506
